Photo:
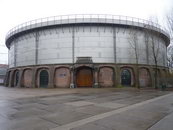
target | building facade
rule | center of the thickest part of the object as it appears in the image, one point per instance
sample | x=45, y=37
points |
x=86, y=51
x=3, y=70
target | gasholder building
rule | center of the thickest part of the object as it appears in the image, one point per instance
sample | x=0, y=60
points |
x=86, y=51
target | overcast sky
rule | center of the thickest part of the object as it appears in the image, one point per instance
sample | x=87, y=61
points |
x=14, y=12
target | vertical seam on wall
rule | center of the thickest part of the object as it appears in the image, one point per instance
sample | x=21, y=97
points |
x=36, y=47
x=114, y=44
x=15, y=53
x=73, y=44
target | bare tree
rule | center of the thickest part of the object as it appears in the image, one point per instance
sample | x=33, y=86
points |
x=133, y=40
x=170, y=56
x=169, y=19
x=155, y=51
x=153, y=48
x=147, y=53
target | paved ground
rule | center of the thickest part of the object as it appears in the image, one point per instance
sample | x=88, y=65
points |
x=85, y=109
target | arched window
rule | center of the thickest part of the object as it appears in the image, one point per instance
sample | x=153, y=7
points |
x=44, y=79
x=126, y=77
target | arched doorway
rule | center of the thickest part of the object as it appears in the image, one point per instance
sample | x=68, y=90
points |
x=106, y=77
x=16, y=78
x=126, y=77
x=84, y=77
x=44, y=79
x=27, y=78
x=144, y=78
x=62, y=77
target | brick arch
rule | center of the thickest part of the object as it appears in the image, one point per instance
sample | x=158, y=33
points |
x=15, y=78
x=158, y=72
x=62, y=77
x=27, y=78
x=7, y=80
x=144, y=77
x=39, y=70
x=164, y=73
x=132, y=75
x=159, y=78
x=106, y=76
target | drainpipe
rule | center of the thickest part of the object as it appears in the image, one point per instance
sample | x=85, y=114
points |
x=72, y=69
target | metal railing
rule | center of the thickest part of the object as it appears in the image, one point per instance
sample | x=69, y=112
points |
x=79, y=18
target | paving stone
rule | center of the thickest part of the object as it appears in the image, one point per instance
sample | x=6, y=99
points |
x=129, y=100
x=79, y=103
x=7, y=111
x=6, y=103
x=110, y=105
x=3, y=120
x=98, y=100
x=164, y=124
x=93, y=110
x=28, y=106
x=47, y=102
x=26, y=101
x=62, y=118
x=59, y=98
x=31, y=112
x=28, y=124
x=139, y=118
x=120, y=122
x=91, y=126
x=59, y=108
x=52, y=101
x=88, y=97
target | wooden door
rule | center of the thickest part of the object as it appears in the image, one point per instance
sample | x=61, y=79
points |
x=84, y=77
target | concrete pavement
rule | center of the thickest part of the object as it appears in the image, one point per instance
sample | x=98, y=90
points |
x=164, y=124
x=85, y=109
x=110, y=120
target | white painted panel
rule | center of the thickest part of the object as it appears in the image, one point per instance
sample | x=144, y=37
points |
x=55, y=46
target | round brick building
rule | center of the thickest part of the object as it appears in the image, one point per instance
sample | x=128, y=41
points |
x=86, y=51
